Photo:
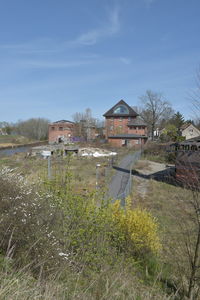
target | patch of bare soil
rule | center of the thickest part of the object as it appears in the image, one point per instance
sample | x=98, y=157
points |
x=4, y=145
x=143, y=172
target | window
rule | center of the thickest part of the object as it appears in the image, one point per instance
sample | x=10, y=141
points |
x=121, y=109
x=52, y=128
x=60, y=128
x=191, y=131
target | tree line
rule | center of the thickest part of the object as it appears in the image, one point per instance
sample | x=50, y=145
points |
x=155, y=110
x=34, y=128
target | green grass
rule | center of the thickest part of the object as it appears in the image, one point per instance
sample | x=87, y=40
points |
x=97, y=267
x=105, y=275
x=83, y=169
x=156, y=158
x=173, y=208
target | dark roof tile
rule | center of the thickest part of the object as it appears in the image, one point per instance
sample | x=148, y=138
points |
x=63, y=121
x=137, y=122
x=110, y=112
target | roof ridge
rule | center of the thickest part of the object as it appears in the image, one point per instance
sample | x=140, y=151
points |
x=121, y=102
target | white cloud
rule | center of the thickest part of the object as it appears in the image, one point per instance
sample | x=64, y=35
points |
x=94, y=35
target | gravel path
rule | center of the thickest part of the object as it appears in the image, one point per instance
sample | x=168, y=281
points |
x=121, y=178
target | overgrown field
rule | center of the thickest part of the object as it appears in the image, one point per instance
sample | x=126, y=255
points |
x=61, y=242
x=62, y=238
x=177, y=211
x=83, y=169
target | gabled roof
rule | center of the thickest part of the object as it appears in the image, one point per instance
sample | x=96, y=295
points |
x=186, y=125
x=63, y=121
x=110, y=112
x=137, y=122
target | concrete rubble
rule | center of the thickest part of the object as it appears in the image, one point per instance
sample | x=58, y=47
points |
x=64, y=150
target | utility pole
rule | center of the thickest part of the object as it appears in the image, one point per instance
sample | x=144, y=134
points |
x=97, y=175
x=49, y=167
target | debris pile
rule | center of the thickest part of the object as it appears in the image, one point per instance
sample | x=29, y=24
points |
x=95, y=152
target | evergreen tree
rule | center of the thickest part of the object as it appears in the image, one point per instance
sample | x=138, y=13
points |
x=177, y=120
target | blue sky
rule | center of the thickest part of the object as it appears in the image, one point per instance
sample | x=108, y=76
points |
x=58, y=57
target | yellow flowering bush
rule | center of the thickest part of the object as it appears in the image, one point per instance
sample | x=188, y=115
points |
x=138, y=227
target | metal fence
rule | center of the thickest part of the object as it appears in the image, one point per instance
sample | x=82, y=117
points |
x=129, y=179
x=123, y=178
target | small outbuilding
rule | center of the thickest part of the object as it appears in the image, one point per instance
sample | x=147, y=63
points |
x=187, y=164
x=61, y=131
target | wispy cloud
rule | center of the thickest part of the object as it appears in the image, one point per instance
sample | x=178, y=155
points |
x=95, y=35
x=42, y=46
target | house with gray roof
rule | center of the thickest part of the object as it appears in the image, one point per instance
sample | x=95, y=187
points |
x=124, y=127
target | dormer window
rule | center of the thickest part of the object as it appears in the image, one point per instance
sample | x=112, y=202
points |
x=121, y=109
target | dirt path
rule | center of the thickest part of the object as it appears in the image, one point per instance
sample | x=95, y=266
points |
x=146, y=170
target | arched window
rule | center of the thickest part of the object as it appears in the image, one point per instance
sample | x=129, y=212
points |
x=121, y=109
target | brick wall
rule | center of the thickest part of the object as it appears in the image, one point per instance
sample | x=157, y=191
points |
x=119, y=125
x=140, y=130
x=60, y=130
x=116, y=125
x=126, y=142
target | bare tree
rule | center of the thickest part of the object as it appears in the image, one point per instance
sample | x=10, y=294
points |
x=84, y=122
x=193, y=249
x=35, y=128
x=84, y=116
x=155, y=108
x=194, y=96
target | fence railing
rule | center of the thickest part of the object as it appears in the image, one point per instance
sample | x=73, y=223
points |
x=128, y=187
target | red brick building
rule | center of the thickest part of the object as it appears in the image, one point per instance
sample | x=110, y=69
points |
x=61, y=131
x=124, y=127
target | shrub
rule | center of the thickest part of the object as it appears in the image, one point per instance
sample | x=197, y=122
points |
x=27, y=221
x=57, y=229
x=138, y=229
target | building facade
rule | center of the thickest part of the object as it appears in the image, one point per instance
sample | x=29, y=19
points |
x=61, y=131
x=189, y=131
x=124, y=127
